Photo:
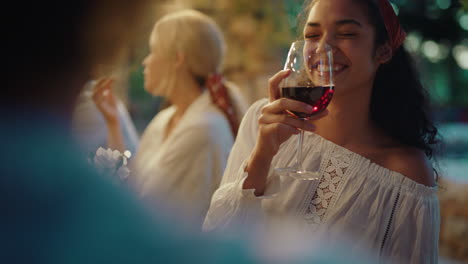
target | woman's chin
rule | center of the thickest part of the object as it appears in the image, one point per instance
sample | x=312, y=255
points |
x=154, y=92
x=149, y=89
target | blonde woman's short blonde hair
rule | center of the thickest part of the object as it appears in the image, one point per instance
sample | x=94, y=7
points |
x=194, y=35
x=201, y=41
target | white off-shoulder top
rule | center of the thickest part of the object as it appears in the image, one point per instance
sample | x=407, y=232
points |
x=379, y=209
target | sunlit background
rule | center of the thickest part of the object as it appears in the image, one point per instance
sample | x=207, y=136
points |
x=258, y=34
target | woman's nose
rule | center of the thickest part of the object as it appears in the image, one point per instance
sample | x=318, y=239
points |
x=144, y=61
x=324, y=45
x=326, y=40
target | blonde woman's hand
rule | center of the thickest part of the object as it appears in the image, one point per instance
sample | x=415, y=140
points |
x=275, y=125
x=105, y=100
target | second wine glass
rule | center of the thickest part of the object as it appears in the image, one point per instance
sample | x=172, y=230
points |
x=310, y=81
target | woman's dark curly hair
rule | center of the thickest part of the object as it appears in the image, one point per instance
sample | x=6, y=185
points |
x=399, y=103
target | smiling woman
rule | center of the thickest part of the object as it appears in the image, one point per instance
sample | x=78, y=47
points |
x=372, y=149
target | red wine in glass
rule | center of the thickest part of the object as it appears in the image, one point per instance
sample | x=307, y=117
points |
x=318, y=97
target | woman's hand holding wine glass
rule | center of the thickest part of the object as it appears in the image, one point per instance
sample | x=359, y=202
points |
x=275, y=125
x=306, y=89
x=311, y=82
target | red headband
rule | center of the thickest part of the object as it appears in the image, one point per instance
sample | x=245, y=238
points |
x=396, y=34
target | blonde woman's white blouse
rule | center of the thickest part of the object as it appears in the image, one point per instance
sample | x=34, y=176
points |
x=183, y=170
x=375, y=207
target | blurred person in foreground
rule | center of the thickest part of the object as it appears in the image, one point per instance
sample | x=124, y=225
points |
x=372, y=147
x=183, y=151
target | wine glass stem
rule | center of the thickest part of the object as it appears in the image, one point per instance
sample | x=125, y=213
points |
x=299, y=151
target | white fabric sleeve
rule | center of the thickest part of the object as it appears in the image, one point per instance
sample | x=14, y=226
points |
x=413, y=234
x=231, y=205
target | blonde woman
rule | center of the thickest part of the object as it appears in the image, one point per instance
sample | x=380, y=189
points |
x=184, y=149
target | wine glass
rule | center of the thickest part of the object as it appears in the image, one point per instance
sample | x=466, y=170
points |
x=310, y=81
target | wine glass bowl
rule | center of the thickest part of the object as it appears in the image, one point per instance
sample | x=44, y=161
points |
x=310, y=81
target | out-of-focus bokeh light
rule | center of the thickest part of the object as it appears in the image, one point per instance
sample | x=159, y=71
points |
x=443, y=4
x=433, y=51
x=460, y=54
x=463, y=20
x=413, y=41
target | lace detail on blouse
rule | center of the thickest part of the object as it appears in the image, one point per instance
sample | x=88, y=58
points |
x=329, y=187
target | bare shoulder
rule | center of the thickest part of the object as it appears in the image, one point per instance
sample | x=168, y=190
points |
x=412, y=163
